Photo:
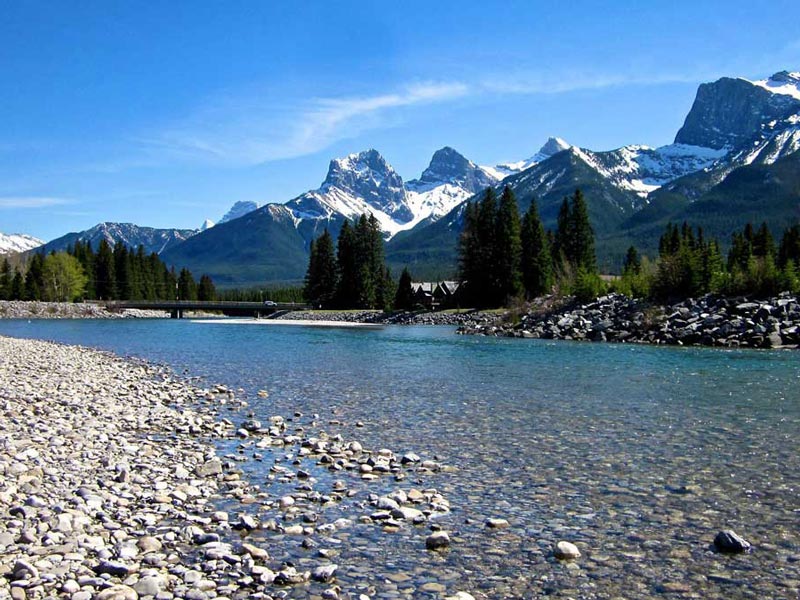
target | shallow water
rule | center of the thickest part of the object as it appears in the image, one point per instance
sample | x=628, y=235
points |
x=637, y=454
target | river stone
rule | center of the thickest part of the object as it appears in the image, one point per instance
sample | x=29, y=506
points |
x=566, y=551
x=324, y=573
x=148, y=586
x=437, y=540
x=730, y=542
x=117, y=592
x=494, y=523
x=255, y=551
x=209, y=468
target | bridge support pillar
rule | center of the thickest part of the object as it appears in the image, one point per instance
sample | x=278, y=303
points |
x=176, y=313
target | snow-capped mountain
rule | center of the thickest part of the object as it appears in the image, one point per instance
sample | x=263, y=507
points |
x=133, y=236
x=207, y=224
x=365, y=183
x=552, y=146
x=449, y=180
x=18, y=242
x=239, y=209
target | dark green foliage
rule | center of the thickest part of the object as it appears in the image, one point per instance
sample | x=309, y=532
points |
x=688, y=264
x=17, y=286
x=633, y=262
x=321, y=277
x=187, y=286
x=508, y=248
x=105, y=278
x=363, y=280
x=206, y=291
x=5, y=280
x=575, y=236
x=789, y=250
x=536, y=261
x=34, y=278
x=404, y=297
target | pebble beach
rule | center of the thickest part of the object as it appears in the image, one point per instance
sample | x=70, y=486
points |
x=110, y=487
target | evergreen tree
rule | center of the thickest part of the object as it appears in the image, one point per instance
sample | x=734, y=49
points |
x=347, y=292
x=122, y=270
x=469, y=252
x=105, y=281
x=789, y=250
x=206, y=291
x=575, y=237
x=507, y=251
x=5, y=280
x=17, y=286
x=404, y=297
x=763, y=242
x=633, y=262
x=582, y=235
x=187, y=287
x=536, y=262
x=320, y=283
x=34, y=278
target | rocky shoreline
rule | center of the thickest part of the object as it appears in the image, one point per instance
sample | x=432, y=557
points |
x=110, y=487
x=18, y=309
x=707, y=321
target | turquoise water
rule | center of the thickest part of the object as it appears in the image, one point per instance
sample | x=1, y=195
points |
x=640, y=454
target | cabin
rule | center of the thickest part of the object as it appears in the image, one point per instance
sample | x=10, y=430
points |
x=437, y=295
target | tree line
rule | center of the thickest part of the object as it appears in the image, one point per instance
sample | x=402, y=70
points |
x=502, y=258
x=118, y=273
x=354, y=274
x=688, y=264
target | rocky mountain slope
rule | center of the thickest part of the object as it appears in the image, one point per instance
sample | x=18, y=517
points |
x=18, y=242
x=153, y=240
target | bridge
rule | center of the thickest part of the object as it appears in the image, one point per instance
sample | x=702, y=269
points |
x=176, y=308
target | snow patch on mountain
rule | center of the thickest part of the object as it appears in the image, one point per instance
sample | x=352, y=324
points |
x=18, y=242
x=784, y=82
x=551, y=147
x=643, y=170
x=239, y=209
x=207, y=224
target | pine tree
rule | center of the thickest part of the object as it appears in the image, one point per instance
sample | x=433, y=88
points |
x=469, y=252
x=5, y=280
x=17, y=286
x=633, y=262
x=536, y=261
x=789, y=250
x=320, y=283
x=347, y=292
x=582, y=235
x=763, y=242
x=206, y=291
x=187, y=287
x=105, y=280
x=562, y=240
x=484, y=284
x=404, y=298
x=34, y=278
x=508, y=249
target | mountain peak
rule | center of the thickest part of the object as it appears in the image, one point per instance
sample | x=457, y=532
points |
x=446, y=164
x=552, y=146
x=450, y=166
x=239, y=209
x=368, y=176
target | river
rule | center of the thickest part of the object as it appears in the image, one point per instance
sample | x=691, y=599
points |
x=639, y=455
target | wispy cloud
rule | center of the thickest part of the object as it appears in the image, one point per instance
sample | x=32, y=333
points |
x=246, y=128
x=17, y=202
x=244, y=131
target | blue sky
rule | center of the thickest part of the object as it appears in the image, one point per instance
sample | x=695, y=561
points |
x=166, y=113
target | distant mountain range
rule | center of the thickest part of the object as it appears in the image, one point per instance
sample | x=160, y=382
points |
x=735, y=159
